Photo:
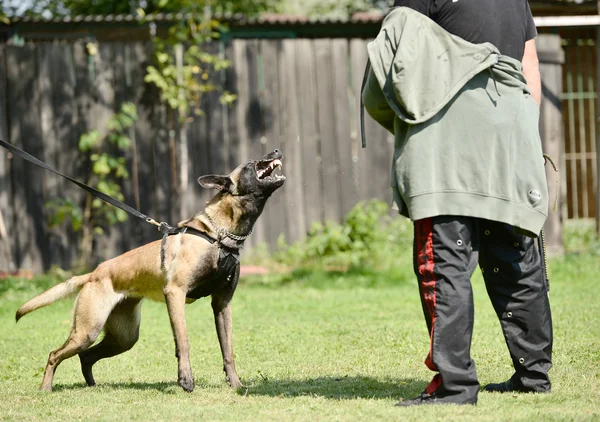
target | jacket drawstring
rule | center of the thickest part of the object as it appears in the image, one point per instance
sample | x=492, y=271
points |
x=546, y=160
x=362, y=105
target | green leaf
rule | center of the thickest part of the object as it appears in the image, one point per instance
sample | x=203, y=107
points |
x=162, y=58
x=123, y=142
x=101, y=166
x=89, y=140
x=121, y=215
x=103, y=186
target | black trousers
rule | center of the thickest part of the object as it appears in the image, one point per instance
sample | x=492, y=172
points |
x=446, y=252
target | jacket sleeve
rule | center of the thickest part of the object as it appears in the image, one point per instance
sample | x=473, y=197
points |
x=376, y=104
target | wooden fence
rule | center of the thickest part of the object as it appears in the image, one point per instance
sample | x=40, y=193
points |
x=298, y=95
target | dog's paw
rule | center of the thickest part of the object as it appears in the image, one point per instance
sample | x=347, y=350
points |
x=235, y=382
x=187, y=383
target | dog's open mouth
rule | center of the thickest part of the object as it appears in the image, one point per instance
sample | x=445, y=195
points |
x=265, y=169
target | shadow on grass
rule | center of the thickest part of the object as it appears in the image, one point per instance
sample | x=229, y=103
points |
x=339, y=388
x=161, y=386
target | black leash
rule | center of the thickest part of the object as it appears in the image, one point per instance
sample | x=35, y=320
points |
x=162, y=227
x=229, y=258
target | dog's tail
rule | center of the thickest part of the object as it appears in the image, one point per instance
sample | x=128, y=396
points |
x=53, y=294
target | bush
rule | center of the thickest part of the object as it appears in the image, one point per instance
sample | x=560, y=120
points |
x=579, y=236
x=367, y=237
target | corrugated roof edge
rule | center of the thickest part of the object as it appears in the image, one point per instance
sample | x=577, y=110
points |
x=172, y=17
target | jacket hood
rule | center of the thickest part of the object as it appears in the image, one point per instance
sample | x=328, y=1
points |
x=416, y=85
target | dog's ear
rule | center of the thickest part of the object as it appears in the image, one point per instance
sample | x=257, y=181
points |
x=212, y=181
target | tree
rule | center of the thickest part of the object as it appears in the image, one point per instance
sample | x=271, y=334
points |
x=340, y=9
x=310, y=8
x=48, y=8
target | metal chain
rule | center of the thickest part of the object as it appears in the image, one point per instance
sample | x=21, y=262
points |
x=223, y=232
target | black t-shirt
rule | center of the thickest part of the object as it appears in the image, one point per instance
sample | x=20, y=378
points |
x=507, y=24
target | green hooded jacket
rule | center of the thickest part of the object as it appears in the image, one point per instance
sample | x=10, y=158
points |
x=466, y=127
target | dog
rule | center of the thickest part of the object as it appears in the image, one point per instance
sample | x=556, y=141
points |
x=198, y=258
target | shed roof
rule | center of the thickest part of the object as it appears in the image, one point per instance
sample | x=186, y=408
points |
x=119, y=27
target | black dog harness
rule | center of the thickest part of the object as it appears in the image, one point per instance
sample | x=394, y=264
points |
x=229, y=259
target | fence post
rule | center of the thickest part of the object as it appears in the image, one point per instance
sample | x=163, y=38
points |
x=597, y=193
x=552, y=57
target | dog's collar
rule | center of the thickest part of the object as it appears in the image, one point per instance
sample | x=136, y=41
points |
x=223, y=232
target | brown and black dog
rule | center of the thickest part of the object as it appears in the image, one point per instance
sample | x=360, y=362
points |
x=176, y=270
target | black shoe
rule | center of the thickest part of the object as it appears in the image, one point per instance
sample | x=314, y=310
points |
x=425, y=398
x=511, y=386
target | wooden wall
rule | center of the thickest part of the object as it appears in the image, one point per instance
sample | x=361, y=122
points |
x=297, y=95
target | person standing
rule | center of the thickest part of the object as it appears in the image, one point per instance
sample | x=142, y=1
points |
x=457, y=82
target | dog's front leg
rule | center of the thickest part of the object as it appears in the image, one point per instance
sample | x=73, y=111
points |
x=222, y=310
x=175, y=298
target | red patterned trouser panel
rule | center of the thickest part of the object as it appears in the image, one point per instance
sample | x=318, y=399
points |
x=425, y=265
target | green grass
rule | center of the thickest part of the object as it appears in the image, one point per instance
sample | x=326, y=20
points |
x=311, y=346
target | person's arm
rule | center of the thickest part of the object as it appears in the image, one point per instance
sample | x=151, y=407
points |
x=531, y=70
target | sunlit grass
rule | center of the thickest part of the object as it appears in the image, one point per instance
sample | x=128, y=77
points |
x=313, y=345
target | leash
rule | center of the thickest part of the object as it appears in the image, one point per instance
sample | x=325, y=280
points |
x=162, y=227
x=229, y=257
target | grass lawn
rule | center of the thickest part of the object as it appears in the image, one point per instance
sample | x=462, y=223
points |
x=316, y=346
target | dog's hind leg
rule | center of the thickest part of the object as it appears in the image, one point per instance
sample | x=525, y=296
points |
x=92, y=307
x=121, y=333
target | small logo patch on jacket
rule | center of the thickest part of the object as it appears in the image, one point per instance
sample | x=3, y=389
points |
x=534, y=196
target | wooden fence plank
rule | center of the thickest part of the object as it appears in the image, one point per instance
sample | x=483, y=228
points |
x=53, y=81
x=239, y=128
x=7, y=258
x=358, y=60
x=330, y=167
x=289, y=129
x=253, y=119
x=275, y=209
x=107, y=245
x=120, y=96
x=66, y=130
x=597, y=190
x=309, y=131
x=84, y=73
x=145, y=96
x=199, y=154
x=31, y=246
x=214, y=120
x=343, y=128
x=233, y=157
